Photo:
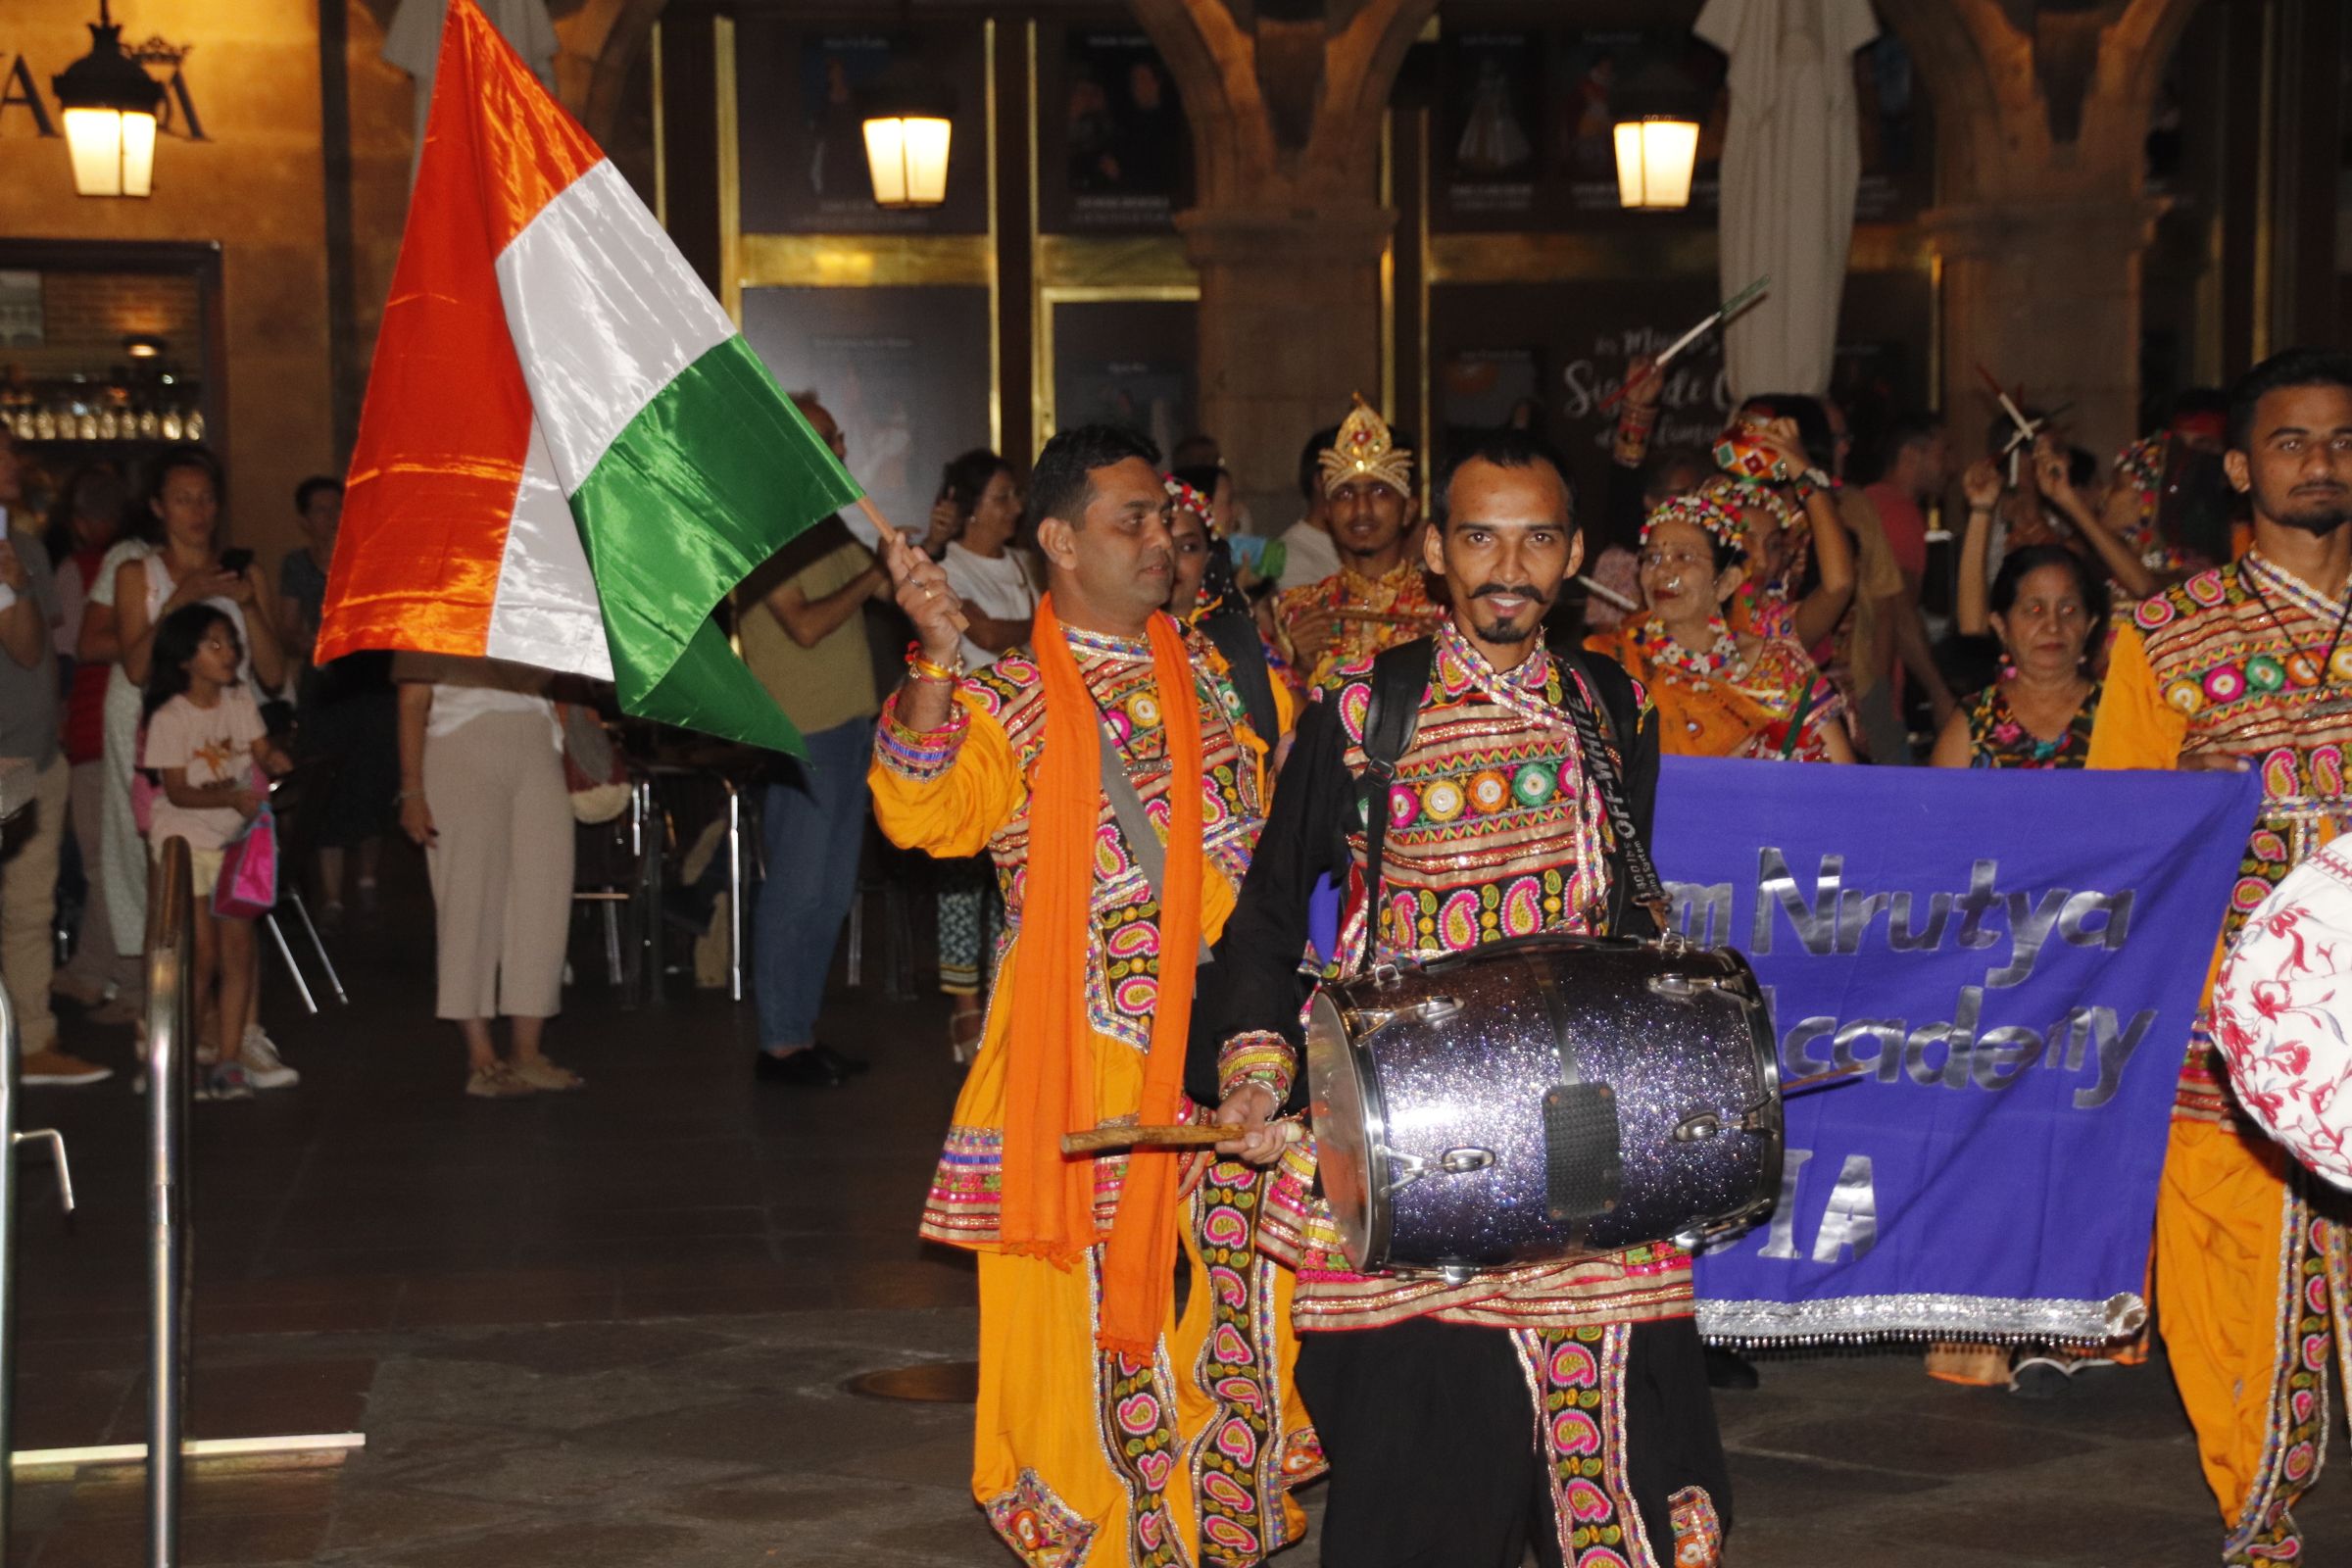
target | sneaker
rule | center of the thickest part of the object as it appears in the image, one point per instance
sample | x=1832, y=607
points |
x=494, y=1082
x=540, y=1073
x=264, y=1068
x=223, y=1080
x=55, y=1068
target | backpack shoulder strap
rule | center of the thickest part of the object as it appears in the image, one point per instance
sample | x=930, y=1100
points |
x=1400, y=678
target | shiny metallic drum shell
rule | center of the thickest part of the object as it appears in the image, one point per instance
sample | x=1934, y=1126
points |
x=1413, y=1061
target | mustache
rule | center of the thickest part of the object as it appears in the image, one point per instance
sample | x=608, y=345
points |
x=1508, y=590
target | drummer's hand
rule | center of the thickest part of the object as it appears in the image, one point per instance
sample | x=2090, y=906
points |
x=1249, y=1109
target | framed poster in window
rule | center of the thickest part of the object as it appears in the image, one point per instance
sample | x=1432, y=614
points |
x=903, y=371
x=1124, y=359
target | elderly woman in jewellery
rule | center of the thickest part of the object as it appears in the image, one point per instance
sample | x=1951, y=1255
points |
x=1719, y=693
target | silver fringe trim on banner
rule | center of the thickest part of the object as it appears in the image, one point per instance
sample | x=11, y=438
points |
x=1859, y=1320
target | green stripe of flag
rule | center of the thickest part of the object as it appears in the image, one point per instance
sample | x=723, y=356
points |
x=711, y=478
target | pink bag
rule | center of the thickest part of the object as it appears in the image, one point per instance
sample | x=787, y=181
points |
x=248, y=885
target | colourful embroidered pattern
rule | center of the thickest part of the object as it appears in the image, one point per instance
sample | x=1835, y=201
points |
x=1403, y=592
x=1262, y=1058
x=1457, y=876
x=1577, y=1377
x=1698, y=1528
x=1239, y=1460
x=2265, y=1528
x=1998, y=738
x=1139, y=1436
x=2212, y=644
x=1781, y=679
x=1041, y=1530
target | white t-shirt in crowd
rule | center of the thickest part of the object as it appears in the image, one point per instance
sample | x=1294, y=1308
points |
x=1003, y=587
x=1308, y=555
x=213, y=745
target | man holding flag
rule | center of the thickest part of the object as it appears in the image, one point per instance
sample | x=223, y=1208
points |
x=1111, y=774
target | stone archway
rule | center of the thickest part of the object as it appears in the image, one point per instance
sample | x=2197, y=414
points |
x=2043, y=111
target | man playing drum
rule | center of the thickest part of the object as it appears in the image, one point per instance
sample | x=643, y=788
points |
x=1110, y=772
x=1469, y=1415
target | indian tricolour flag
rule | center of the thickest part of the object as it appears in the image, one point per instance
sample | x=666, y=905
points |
x=569, y=454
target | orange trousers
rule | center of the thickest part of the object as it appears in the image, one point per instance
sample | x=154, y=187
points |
x=2252, y=1285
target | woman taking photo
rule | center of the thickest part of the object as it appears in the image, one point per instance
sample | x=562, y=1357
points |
x=1719, y=693
x=140, y=582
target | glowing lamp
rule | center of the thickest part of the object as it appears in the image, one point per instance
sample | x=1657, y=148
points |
x=109, y=104
x=907, y=130
x=1655, y=156
x=908, y=156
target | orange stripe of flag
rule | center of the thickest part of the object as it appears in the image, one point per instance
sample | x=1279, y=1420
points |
x=447, y=422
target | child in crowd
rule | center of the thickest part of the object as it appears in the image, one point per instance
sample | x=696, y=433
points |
x=205, y=741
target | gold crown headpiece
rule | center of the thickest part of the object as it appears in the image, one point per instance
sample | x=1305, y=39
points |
x=1366, y=450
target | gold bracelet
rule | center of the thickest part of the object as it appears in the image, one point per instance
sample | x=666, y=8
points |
x=923, y=668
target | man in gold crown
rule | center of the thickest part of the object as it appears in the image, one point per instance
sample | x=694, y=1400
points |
x=1379, y=596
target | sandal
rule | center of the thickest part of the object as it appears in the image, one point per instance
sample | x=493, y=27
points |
x=965, y=1032
x=494, y=1082
x=540, y=1073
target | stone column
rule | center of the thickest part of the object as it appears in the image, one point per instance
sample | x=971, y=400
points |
x=1284, y=99
x=2041, y=114
x=1290, y=331
x=2045, y=294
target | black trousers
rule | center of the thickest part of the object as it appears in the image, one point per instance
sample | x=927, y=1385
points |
x=1436, y=1456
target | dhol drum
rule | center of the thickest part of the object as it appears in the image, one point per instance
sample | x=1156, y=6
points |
x=1543, y=1099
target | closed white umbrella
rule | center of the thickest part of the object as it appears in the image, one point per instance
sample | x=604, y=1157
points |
x=413, y=42
x=1791, y=161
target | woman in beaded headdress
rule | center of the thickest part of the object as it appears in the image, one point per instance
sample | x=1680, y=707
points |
x=1719, y=692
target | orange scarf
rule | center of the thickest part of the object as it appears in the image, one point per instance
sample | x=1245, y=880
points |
x=1050, y=1090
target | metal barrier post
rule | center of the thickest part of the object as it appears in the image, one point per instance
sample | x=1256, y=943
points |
x=170, y=911
x=734, y=891
x=8, y=1254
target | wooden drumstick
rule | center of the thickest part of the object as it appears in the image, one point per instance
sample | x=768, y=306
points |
x=1188, y=1135
x=882, y=527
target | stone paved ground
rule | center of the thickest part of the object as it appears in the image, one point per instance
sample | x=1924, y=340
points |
x=615, y=1329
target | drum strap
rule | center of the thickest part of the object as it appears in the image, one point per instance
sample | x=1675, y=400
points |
x=1601, y=760
x=1391, y=715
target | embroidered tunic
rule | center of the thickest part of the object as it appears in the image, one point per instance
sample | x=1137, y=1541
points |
x=1494, y=832
x=1401, y=593
x=964, y=789
x=1775, y=706
x=1998, y=738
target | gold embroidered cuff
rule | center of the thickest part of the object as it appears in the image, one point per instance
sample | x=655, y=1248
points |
x=1262, y=1057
